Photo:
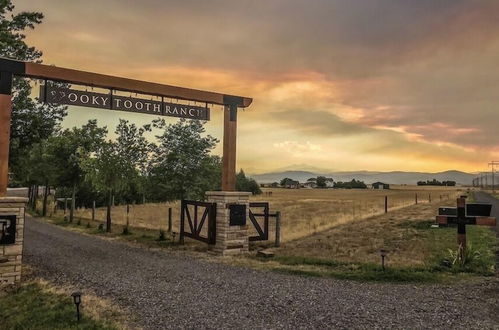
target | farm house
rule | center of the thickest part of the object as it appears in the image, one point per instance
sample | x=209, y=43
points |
x=380, y=185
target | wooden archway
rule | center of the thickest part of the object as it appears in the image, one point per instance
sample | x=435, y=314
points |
x=10, y=68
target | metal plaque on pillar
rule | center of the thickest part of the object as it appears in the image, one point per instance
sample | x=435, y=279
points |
x=237, y=214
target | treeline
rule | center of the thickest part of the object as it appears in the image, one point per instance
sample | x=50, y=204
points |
x=435, y=182
x=83, y=164
x=320, y=182
x=354, y=184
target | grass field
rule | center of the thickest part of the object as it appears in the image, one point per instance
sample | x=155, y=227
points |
x=416, y=251
x=304, y=211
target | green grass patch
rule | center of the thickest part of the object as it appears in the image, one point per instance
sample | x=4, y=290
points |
x=482, y=243
x=480, y=239
x=357, y=271
x=30, y=307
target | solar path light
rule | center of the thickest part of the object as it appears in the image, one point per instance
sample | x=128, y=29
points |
x=77, y=301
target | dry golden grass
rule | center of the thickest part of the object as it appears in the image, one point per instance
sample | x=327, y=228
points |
x=150, y=216
x=361, y=240
x=309, y=211
x=304, y=211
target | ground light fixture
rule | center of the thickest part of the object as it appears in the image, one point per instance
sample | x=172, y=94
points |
x=77, y=301
x=383, y=254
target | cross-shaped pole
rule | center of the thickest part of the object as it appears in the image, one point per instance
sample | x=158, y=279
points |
x=462, y=219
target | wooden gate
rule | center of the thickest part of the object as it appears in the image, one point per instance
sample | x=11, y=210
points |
x=260, y=210
x=197, y=215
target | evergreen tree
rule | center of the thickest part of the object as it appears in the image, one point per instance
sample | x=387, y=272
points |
x=244, y=183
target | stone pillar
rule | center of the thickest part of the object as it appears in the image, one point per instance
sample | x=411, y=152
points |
x=230, y=240
x=11, y=252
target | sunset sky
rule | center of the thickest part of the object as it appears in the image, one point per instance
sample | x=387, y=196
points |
x=338, y=85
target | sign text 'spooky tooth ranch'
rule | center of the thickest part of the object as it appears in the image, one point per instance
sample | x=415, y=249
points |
x=69, y=96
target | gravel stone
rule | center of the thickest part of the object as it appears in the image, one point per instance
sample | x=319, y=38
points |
x=174, y=290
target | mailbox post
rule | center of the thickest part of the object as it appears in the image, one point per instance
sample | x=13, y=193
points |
x=463, y=215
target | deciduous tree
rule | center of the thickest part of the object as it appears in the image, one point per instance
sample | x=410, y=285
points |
x=31, y=122
x=182, y=166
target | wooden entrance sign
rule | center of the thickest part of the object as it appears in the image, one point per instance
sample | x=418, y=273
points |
x=477, y=214
x=10, y=68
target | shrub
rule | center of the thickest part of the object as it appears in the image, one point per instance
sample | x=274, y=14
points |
x=463, y=259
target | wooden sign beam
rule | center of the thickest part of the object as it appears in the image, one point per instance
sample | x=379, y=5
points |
x=42, y=71
x=10, y=68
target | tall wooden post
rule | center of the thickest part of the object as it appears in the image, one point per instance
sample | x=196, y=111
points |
x=170, y=221
x=461, y=223
x=278, y=229
x=5, y=115
x=229, y=148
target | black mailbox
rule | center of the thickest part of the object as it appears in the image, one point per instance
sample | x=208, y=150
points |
x=478, y=209
x=237, y=216
x=7, y=229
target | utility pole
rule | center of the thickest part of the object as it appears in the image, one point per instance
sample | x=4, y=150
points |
x=492, y=164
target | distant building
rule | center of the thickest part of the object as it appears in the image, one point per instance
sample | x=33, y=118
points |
x=290, y=183
x=380, y=185
x=309, y=184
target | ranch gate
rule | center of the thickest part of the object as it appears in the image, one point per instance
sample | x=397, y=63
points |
x=198, y=220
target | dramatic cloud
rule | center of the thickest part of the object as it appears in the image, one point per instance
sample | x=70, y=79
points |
x=378, y=84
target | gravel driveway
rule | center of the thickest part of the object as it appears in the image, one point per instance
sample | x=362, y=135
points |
x=172, y=290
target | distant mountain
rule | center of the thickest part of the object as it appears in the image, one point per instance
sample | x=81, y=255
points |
x=396, y=177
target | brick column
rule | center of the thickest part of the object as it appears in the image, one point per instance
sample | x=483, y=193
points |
x=230, y=240
x=11, y=253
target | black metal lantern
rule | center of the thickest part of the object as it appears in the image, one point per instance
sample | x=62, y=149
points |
x=77, y=301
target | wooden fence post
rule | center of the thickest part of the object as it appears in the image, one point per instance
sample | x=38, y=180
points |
x=416, y=198
x=93, y=211
x=386, y=204
x=182, y=220
x=278, y=229
x=127, y=215
x=170, y=221
x=429, y=198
